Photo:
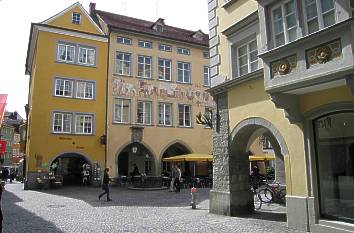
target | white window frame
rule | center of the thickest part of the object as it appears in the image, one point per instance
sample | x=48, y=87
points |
x=145, y=44
x=124, y=40
x=87, y=119
x=164, y=68
x=86, y=58
x=76, y=18
x=206, y=76
x=122, y=62
x=284, y=26
x=62, y=114
x=165, y=47
x=183, y=51
x=319, y=16
x=182, y=70
x=66, y=46
x=248, y=54
x=184, y=115
x=144, y=112
x=146, y=66
x=62, y=87
x=119, y=103
x=86, y=90
x=163, y=114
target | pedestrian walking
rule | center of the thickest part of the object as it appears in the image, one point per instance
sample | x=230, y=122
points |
x=2, y=188
x=173, y=175
x=177, y=183
x=105, y=185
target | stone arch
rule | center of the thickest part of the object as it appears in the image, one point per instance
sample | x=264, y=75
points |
x=256, y=123
x=147, y=148
x=241, y=197
x=71, y=152
x=177, y=141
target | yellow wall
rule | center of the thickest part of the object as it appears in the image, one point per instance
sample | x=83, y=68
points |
x=228, y=16
x=315, y=99
x=157, y=138
x=65, y=21
x=42, y=102
x=250, y=100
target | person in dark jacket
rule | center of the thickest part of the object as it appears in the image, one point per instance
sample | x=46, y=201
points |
x=2, y=188
x=105, y=185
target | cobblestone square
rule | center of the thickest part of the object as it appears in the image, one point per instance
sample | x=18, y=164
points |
x=77, y=209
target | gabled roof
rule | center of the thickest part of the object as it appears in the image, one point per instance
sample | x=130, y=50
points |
x=115, y=21
x=82, y=9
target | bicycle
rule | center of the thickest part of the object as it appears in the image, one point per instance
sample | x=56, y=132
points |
x=273, y=192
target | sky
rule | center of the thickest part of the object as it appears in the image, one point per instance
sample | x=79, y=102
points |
x=16, y=17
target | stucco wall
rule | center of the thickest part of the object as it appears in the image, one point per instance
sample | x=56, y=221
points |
x=157, y=138
x=42, y=142
x=250, y=100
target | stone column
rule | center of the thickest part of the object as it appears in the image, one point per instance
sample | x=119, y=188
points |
x=279, y=169
x=220, y=193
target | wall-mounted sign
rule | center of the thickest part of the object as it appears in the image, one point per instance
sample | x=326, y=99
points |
x=2, y=147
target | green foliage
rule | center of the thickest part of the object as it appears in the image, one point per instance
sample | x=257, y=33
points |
x=270, y=173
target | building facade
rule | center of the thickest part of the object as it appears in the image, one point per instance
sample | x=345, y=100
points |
x=157, y=76
x=284, y=69
x=67, y=63
x=7, y=133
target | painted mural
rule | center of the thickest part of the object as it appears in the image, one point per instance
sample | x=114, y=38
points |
x=163, y=91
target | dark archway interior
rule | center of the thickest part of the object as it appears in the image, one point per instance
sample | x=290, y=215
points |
x=173, y=150
x=135, y=153
x=70, y=167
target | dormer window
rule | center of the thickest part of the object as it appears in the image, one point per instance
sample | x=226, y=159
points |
x=159, y=28
x=159, y=25
x=76, y=18
x=198, y=35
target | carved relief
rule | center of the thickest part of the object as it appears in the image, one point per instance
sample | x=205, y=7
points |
x=323, y=53
x=284, y=66
x=162, y=91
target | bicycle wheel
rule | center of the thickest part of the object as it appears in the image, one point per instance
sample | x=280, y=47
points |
x=281, y=196
x=265, y=194
x=257, y=201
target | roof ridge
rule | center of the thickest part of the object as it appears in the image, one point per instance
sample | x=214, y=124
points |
x=148, y=21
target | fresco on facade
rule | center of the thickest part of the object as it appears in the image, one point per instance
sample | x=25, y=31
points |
x=162, y=91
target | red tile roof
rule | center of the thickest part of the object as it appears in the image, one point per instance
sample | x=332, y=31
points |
x=116, y=21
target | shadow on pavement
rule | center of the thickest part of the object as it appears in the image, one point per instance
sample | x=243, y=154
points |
x=125, y=197
x=270, y=216
x=29, y=222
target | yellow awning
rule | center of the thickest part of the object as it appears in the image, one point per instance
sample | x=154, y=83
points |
x=190, y=158
x=262, y=157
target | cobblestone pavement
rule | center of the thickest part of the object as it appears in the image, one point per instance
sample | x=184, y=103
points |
x=77, y=209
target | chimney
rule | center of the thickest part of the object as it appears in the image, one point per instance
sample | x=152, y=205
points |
x=92, y=8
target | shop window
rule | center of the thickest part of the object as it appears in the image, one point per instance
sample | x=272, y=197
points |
x=334, y=143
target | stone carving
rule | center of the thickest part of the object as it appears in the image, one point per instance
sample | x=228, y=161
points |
x=284, y=66
x=323, y=53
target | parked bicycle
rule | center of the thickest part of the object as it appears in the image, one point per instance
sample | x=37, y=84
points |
x=272, y=192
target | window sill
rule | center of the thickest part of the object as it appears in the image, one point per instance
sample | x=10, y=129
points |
x=121, y=123
x=165, y=126
x=183, y=83
x=227, y=4
x=140, y=77
x=72, y=134
x=122, y=75
x=185, y=127
x=167, y=81
x=76, y=64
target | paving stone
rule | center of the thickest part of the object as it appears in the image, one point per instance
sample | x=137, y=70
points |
x=77, y=209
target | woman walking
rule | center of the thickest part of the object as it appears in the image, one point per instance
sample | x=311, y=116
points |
x=105, y=185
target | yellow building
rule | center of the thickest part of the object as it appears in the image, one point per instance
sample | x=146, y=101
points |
x=67, y=64
x=284, y=69
x=157, y=77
